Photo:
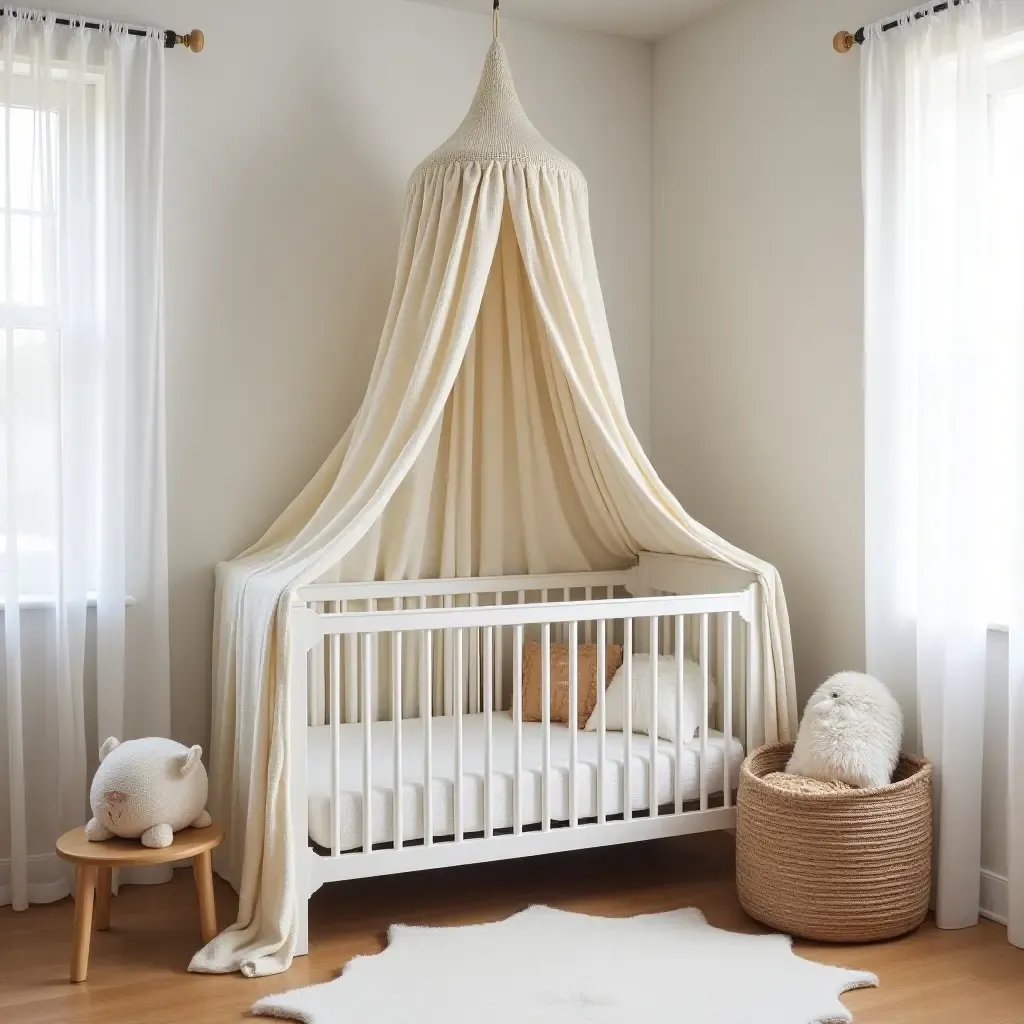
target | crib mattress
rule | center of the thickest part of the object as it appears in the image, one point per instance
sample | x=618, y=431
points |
x=503, y=732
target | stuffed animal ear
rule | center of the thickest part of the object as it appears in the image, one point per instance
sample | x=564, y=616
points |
x=191, y=759
x=108, y=746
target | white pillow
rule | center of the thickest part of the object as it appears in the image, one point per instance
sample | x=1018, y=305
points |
x=693, y=688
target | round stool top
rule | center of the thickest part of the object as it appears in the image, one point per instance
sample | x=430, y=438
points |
x=73, y=846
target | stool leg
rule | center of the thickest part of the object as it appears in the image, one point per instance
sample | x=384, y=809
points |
x=85, y=888
x=102, y=912
x=202, y=868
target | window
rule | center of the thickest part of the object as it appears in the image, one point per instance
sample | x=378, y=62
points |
x=1000, y=341
x=47, y=149
x=959, y=317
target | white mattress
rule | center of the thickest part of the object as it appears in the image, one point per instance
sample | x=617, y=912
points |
x=443, y=786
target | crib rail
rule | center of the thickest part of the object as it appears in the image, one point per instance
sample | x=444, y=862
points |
x=389, y=668
x=630, y=608
x=397, y=589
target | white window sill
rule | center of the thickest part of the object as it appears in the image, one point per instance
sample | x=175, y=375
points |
x=32, y=602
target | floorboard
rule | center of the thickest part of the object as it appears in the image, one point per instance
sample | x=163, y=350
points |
x=137, y=969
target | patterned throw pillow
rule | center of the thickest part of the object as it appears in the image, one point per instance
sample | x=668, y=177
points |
x=586, y=689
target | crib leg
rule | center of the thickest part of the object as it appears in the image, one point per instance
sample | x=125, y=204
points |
x=305, y=633
x=302, y=926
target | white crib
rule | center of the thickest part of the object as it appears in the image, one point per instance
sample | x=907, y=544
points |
x=421, y=680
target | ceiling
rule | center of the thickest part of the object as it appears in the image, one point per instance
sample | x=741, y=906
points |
x=641, y=19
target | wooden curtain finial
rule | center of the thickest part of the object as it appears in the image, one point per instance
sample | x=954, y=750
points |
x=195, y=40
x=843, y=42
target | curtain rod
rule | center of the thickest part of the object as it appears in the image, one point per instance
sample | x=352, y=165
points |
x=194, y=40
x=844, y=42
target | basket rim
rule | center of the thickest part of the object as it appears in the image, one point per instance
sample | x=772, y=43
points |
x=922, y=773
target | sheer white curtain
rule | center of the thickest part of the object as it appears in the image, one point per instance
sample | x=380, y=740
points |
x=943, y=144
x=83, y=573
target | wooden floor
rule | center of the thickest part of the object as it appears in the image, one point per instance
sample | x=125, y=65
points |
x=137, y=972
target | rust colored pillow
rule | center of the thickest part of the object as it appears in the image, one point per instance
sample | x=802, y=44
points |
x=586, y=689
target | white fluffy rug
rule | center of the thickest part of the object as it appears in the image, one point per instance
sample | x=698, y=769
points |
x=553, y=967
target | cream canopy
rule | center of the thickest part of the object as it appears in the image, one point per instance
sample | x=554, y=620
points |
x=493, y=439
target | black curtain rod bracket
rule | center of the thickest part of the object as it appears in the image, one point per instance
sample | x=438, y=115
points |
x=844, y=42
x=194, y=40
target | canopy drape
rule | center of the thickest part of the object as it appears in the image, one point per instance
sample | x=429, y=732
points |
x=493, y=439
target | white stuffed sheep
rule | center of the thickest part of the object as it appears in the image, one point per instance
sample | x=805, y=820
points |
x=147, y=789
x=851, y=732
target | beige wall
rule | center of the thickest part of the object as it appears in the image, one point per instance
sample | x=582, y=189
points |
x=757, y=394
x=289, y=143
x=757, y=411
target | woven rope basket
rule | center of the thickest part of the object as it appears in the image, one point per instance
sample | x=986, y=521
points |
x=842, y=866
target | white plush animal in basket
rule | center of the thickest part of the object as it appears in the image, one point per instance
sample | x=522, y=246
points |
x=851, y=732
x=148, y=790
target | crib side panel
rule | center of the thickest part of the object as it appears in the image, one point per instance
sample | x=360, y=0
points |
x=447, y=757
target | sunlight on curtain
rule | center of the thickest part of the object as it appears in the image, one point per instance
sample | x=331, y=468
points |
x=943, y=145
x=83, y=575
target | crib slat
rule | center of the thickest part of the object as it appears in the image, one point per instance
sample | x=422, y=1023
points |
x=474, y=661
x=426, y=711
x=448, y=640
x=458, y=666
x=488, y=695
x=652, y=767
x=374, y=606
x=545, y=714
x=680, y=679
x=317, y=682
x=517, y=720
x=726, y=678
x=334, y=668
x=574, y=678
x=627, y=757
x=335, y=647
x=748, y=711
x=499, y=662
x=705, y=673
x=369, y=639
x=351, y=674
x=718, y=661
x=602, y=675
x=588, y=629
x=396, y=717
x=559, y=631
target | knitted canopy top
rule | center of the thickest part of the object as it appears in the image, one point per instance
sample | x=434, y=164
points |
x=497, y=129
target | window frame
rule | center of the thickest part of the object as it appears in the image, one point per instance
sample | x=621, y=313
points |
x=37, y=568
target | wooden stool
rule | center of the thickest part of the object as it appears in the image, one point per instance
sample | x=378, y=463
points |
x=94, y=862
